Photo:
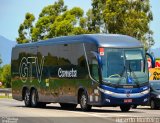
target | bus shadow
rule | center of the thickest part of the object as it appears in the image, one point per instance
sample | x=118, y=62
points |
x=79, y=110
x=147, y=109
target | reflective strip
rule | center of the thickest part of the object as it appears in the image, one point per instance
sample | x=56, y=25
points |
x=96, y=98
x=91, y=98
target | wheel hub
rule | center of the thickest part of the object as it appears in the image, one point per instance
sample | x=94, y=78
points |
x=83, y=101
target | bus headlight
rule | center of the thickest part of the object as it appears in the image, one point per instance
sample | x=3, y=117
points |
x=105, y=91
x=108, y=92
x=145, y=92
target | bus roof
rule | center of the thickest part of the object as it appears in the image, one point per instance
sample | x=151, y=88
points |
x=101, y=40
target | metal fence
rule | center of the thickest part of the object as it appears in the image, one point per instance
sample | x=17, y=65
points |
x=7, y=92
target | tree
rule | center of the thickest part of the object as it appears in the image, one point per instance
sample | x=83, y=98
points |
x=46, y=18
x=6, y=76
x=129, y=17
x=95, y=16
x=55, y=20
x=69, y=23
x=25, y=29
x=0, y=60
x=0, y=69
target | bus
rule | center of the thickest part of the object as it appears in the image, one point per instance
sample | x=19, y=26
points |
x=90, y=70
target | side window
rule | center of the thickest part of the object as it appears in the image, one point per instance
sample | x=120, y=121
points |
x=92, y=60
x=94, y=69
x=78, y=60
x=93, y=66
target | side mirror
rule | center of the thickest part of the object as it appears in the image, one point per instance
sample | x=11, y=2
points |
x=152, y=59
x=98, y=57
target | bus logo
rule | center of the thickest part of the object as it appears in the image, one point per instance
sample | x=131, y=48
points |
x=26, y=68
x=128, y=92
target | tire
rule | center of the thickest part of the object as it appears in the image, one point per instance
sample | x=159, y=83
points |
x=125, y=108
x=83, y=100
x=27, y=100
x=153, y=105
x=68, y=106
x=34, y=98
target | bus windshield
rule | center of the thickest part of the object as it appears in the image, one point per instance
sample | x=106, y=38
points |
x=124, y=66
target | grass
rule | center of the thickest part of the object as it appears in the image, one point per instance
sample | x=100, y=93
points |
x=6, y=96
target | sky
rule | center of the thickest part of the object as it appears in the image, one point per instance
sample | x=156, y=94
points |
x=12, y=14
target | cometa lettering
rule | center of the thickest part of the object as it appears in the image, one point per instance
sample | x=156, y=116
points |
x=67, y=73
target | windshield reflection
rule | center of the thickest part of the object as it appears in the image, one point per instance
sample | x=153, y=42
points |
x=124, y=66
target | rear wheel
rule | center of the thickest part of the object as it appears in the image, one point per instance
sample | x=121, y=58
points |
x=84, y=102
x=27, y=100
x=68, y=106
x=125, y=108
x=34, y=98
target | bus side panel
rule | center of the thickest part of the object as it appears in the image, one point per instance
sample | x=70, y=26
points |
x=63, y=88
x=55, y=86
x=22, y=70
x=94, y=95
x=48, y=90
x=78, y=62
x=15, y=78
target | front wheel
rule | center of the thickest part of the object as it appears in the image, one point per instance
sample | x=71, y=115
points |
x=84, y=102
x=153, y=105
x=125, y=108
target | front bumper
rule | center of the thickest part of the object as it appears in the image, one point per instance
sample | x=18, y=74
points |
x=107, y=100
x=124, y=96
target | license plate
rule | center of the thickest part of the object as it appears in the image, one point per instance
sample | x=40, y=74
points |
x=127, y=100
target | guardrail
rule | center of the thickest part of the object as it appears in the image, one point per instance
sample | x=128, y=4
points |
x=7, y=92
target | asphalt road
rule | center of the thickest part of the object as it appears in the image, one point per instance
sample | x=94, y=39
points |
x=12, y=111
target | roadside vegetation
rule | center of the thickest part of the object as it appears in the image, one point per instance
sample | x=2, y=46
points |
x=5, y=75
x=128, y=17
